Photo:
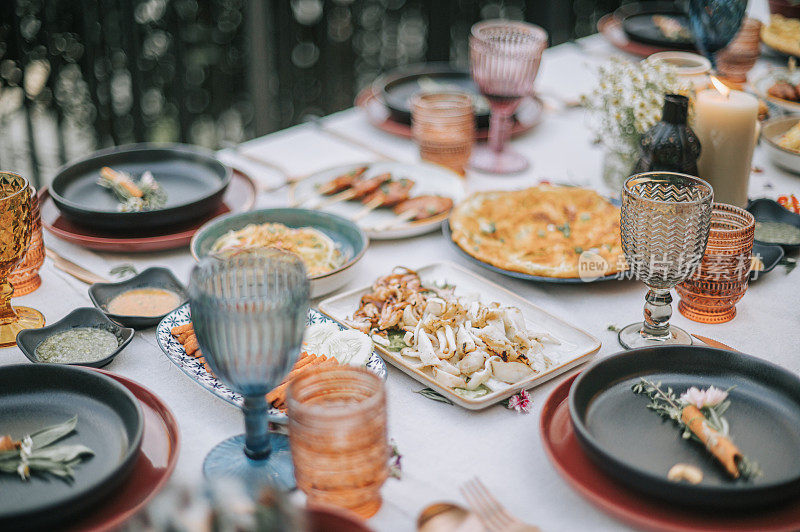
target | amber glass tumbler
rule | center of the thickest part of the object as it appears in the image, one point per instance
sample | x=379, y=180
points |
x=443, y=126
x=337, y=434
x=25, y=277
x=711, y=293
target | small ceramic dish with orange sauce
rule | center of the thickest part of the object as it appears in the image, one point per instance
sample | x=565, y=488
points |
x=141, y=301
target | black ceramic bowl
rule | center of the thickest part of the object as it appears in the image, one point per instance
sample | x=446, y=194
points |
x=29, y=339
x=193, y=179
x=102, y=293
x=771, y=255
x=767, y=210
x=635, y=446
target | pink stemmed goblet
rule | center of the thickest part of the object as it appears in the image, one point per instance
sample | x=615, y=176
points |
x=505, y=57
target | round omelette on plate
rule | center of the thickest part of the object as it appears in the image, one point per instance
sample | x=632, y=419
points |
x=541, y=230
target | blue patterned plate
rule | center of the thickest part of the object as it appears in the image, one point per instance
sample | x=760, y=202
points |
x=192, y=367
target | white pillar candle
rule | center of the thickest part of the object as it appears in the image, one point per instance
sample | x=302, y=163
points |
x=725, y=123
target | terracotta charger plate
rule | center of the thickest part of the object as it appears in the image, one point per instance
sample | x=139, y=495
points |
x=240, y=196
x=157, y=458
x=527, y=117
x=610, y=27
x=579, y=471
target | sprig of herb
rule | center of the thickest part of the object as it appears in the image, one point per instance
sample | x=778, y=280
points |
x=35, y=453
x=433, y=395
x=123, y=269
x=668, y=405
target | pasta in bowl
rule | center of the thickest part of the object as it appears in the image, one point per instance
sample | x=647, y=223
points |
x=328, y=245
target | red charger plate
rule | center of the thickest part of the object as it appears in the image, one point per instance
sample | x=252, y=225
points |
x=570, y=461
x=528, y=116
x=157, y=458
x=239, y=196
x=610, y=27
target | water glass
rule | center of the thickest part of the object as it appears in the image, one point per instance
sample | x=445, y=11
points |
x=505, y=57
x=249, y=313
x=337, y=432
x=443, y=126
x=711, y=293
x=665, y=220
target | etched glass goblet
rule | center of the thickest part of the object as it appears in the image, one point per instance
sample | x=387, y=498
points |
x=665, y=221
x=16, y=226
x=249, y=313
x=505, y=57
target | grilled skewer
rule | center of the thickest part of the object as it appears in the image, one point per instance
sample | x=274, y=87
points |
x=387, y=195
x=416, y=208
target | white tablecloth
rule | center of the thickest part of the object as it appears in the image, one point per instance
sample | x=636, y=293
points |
x=443, y=445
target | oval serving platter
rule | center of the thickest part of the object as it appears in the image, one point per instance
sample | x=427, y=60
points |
x=193, y=367
x=193, y=179
x=637, y=447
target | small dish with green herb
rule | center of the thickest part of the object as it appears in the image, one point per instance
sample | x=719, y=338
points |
x=84, y=337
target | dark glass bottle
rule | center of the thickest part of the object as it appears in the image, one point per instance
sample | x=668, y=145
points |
x=670, y=145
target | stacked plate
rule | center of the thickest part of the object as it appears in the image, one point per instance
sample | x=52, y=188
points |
x=613, y=449
x=198, y=188
x=133, y=436
x=388, y=100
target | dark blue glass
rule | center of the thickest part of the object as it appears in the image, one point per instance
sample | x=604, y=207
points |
x=715, y=23
x=249, y=314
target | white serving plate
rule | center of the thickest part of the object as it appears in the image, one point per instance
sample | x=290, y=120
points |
x=577, y=346
x=429, y=179
x=762, y=85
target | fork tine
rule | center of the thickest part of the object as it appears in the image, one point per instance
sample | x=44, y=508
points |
x=499, y=509
x=474, y=498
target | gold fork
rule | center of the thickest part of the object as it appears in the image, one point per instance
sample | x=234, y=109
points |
x=492, y=514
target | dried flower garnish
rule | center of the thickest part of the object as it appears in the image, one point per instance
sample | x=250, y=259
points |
x=699, y=414
x=36, y=453
x=520, y=402
x=395, y=461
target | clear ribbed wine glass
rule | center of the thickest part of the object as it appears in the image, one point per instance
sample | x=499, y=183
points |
x=249, y=313
x=505, y=57
x=665, y=221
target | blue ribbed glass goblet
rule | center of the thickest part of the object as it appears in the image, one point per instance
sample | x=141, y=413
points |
x=249, y=314
x=715, y=23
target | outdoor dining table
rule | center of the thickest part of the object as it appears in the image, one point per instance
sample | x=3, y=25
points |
x=443, y=445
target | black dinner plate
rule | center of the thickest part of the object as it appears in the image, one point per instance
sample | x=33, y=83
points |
x=398, y=87
x=193, y=179
x=767, y=210
x=637, y=447
x=637, y=23
x=34, y=396
x=448, y=234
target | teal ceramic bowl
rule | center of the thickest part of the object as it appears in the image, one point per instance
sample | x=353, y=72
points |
x=349, y=238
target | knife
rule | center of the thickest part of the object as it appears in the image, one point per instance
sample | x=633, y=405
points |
x=713, y=343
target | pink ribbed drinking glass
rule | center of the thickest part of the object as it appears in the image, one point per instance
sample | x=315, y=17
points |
x=505, y=57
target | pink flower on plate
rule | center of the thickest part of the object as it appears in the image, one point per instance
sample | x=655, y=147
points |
x=715, y=396
x=703, y=398
x=521, y=402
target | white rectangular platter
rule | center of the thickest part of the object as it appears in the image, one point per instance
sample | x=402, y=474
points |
x=576, y=347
